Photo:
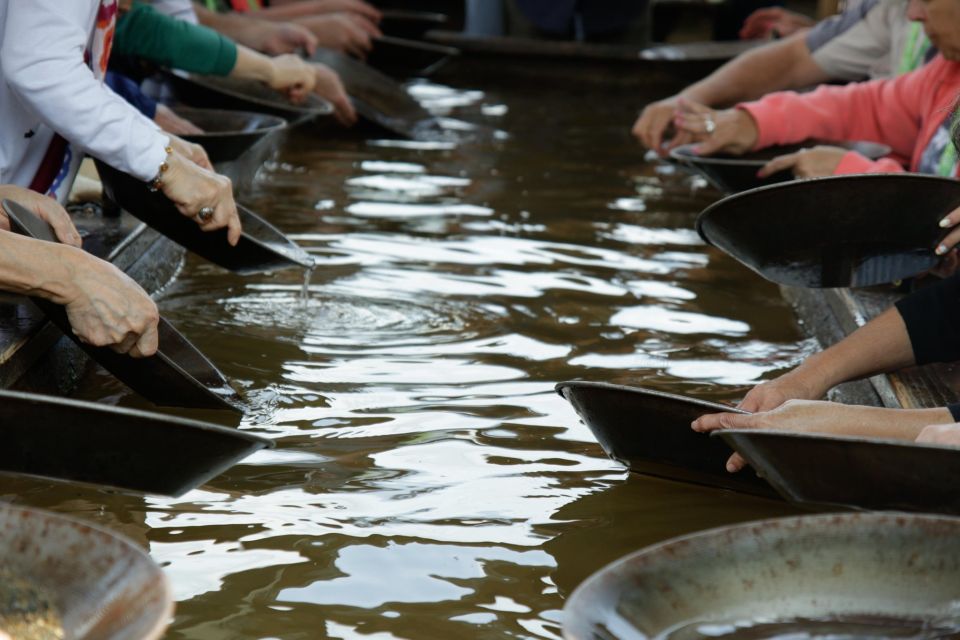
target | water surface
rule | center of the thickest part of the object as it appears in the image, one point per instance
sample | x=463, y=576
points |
x=427, y=481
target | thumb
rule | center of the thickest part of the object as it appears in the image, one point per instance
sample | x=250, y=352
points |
x=778, y=164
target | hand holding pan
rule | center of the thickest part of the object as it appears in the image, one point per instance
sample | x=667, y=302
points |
x=262, y=247
x=178, y=375
x=649, y=431
x=841, y=231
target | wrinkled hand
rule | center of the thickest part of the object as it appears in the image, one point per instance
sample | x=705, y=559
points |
x=734, y=130
x=764, y=23
x=799, y=416
x=330, y=88
x=344, y=32
x=106, y=308
x=942, y=434
x=815, y=162
x=170, y=122
x=192, y=187
x=278, y=38
x=292, y=76
x=46, y=208
x=656, y=122
x=193, y=152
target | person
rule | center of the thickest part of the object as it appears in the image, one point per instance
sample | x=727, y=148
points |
x=773, y=22
x=105, y=307
x=55, y=107
x=349, y=32
x=921, y=328
x=912, y=113
x=871, y=39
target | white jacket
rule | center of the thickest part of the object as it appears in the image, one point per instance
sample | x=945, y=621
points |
x=46, y=86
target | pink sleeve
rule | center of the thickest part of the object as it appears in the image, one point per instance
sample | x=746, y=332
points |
x=889, y=111
x=853, y=162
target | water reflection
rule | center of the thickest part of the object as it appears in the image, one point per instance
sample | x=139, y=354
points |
x=428, y=482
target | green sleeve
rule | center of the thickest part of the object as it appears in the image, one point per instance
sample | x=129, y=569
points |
x=143, y=32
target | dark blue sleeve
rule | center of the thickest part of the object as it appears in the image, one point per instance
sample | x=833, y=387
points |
x=826, y=30
x=130, y=91
x=932, y=317
x=954, y=410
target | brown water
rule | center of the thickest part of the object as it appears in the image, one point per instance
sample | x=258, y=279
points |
x=428, y=482
x=848, y=627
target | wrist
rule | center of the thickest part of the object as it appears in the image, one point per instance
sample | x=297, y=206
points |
x=156, y=184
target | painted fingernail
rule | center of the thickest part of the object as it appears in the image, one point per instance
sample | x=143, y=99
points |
x=945, y=222
x=941, y=249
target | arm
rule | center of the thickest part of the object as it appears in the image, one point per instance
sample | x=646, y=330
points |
x=289, y=10
x=53, y=81
x=260, y=35
x=784, y=64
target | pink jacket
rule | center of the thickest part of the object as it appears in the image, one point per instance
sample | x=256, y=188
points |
x=903, y=112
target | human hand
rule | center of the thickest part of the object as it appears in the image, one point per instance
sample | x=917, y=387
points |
x=278, y=38
x=46, y=208
x=193, y=152
x=344, y=32
x=798, y=416
x=730, y=130
x=655, y=122
x=106, y=308
x=952, y=219
x=942, y=434
x=360, y=7
x=170, y=122
x=330, y=88
x=773, y=22
x=795, y=385
x=292, y=76
x=193, y=188
x=816, y=162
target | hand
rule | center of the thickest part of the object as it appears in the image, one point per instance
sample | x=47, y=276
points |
x=193, y=152
x=291, y=75
x=106, y=308
x=734, y=130
x=952, y=219
x=947, y=266
x=343, y=32
x=329, y=87
x=656, y=121
x=170, y=122
x=816, y=162
x=360, y=7
x=943, y=434
x=798, y=416
x=277, y=38
x=794, y=385
x=46, y=208
x=191, y=188
x=773, y=22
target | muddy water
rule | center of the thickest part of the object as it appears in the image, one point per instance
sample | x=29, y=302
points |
x=427, y=481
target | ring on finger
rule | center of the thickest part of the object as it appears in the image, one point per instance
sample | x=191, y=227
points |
x=709, y=125
x=205, y=214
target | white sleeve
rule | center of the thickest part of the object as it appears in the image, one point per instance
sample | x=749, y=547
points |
x=41, y=57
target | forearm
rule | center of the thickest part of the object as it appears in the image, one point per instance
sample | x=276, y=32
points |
x=36, y=268
x=252, y=65
x=879, y=346
x=781, y=65
x=880, y=422
x=237, y=27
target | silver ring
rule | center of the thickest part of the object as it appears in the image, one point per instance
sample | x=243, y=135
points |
x=709, y=125
x=205, y=214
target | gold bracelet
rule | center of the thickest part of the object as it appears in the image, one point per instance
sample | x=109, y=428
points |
x=157, y=183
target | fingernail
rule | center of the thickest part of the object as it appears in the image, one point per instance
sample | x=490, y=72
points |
x=695, y=150
x=731, y=468
x=760, y=173
x=941, y=249
x=945, y=222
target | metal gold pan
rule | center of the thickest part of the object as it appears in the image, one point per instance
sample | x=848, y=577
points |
x=842, y=231
x=262, y=247
x=178, y=375
x=649, y=432
x=228, y=134
x=861, y=473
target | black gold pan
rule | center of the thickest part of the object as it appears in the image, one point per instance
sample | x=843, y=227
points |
x=262, y=247
x=178, y=375
x=732, y=174
x=214, y=92
x=649, y=432
x=227, y=134
x=842, y=231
